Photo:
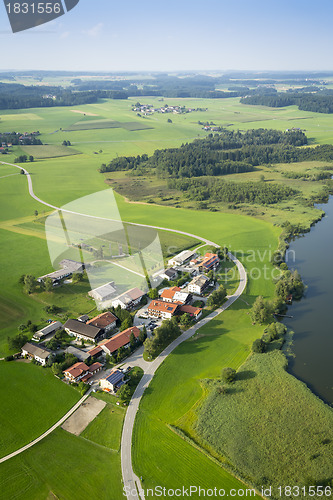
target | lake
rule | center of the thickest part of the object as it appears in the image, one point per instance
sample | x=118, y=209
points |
x=313, y=315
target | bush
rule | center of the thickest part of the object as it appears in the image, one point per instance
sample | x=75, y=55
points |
x=228, y=375
x=259, y=346
x=9, y=358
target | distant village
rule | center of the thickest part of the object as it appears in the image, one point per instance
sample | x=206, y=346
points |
x=149, y=109
x=10, y=139
x=87, y=345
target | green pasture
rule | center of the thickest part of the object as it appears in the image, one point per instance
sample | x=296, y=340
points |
x=53, y=151
x=270, y=425
x=59, y=467
x=106, y=428
x=32, y=401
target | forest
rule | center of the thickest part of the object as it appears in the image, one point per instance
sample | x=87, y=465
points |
x=219, y=154
x=321, y=102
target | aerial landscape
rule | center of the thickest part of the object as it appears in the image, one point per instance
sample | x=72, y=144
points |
x=166, y=229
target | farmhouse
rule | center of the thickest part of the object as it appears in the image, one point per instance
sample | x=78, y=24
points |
x=80, y=371
x=113, y=381
x=194, y=312
x=211, y=261
x=105, y=321
x=73, y=266
x=198, y=284
x=48, y=331
x=175, y=295
x=56, y=276
x=169, y=274
x=81, y=331
x=161, y=309
x=122, y=339
x=181, y=258
x=103, y=293
x=129, y=299
x=33, y=351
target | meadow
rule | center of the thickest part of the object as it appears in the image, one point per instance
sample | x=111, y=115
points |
x=176, y=392
x=25, y=389
x=106, y=428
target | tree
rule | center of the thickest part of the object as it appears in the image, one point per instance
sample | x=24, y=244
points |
x=124, y=394
x=153, y=293
x=259, y=346
x=29, y=283
x=185, y=319
x=142, y=335
x=22, y=171
x=217, y=297
x=228, y=375
x=36, y=213
x=48, y=284
x=15, y=343
x=57, y=369
x=169, y=120
x=261, y=311
x=31, y=158
x=127, y=323
x=132, y=340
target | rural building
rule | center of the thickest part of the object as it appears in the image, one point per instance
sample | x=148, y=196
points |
x=84, y=318
x=56, y=276
x=122, y=339
x=48, y=331
x=113, y=381
x=81, y=331
x=161, y=309
x=33, y=351
x=78, y=353
x=181, y=258
x=105, y=321
x=103, y=293
x=129, y=299
x=194, y=312
x=96, y=352
x=211, y=261
x=73, y=266
x=175, y=295
x=81, y=371
x=169, y=274
x=198, y=284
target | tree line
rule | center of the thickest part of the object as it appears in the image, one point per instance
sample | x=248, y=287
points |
x=315, y=102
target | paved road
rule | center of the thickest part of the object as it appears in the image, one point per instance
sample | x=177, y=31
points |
x=51, y=429
x=130, y=480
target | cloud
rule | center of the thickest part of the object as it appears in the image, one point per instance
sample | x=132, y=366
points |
x=94, y=31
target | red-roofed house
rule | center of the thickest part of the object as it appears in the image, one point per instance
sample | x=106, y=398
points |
x=175, y=295
x=80, y=371
x=122, y=339
x=105, y=321
x=161, y=309
x=211, y=261
x=194, y=312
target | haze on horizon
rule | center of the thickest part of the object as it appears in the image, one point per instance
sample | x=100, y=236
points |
x=177, y=36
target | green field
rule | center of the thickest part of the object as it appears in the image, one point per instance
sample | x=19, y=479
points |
x=32, y=401
x=106, y=428
x=269, y=424
x=53, y=151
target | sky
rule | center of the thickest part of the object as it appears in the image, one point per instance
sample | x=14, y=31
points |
x=155, y=35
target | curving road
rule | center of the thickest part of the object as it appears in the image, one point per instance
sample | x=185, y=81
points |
x=130, y=480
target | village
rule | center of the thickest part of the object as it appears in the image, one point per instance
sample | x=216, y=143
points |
x=90, y=352
x=149, y=109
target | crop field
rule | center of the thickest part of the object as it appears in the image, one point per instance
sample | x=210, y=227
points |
x=50, y=470
x=45, y=151
x=32, y=401
x=268, y=424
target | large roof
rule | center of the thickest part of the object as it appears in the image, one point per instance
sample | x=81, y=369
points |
x=77, y=370
x=72, y=265
x=56, y=325
x=191, y=310
x=121, y=339
x=103, y=292
x=200, y=280
x=81, y=355
x=129, y=296
x=102, y=320
x=82, y=329
x=159, y=305
x=115, y=377
x=35, y=350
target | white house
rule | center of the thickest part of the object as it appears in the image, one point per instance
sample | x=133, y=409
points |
x=113, y=381
x=129, y=299
x=198, y=284
x=33, y=351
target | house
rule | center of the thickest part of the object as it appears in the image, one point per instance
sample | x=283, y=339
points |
x=105, y=321
x=198, y=284
x=96, y=352
x=82, y=356
x=169, y=274
x=210, y=261
x=129, y=299
x=47, y=331
x=33, y=351
x=181, y=258
x=193, y=312
x=103, y=293
x=81, y=371
x=73, y=266
x=162, y=309
x=119, y=340
x=113, y=381
x=175, y=295
x=81, y=331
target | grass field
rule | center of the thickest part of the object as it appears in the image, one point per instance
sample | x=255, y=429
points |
x=53, y=151
x=61, y=466
x=269, y=424
x=32, y=401
x=106, y=428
